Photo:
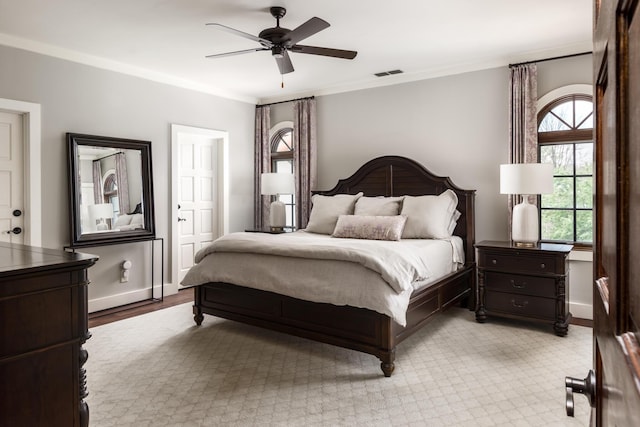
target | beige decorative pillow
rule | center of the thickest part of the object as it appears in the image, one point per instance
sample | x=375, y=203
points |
x=326, y=210
x=370, y=227
x=378, y=206
x=430, y=217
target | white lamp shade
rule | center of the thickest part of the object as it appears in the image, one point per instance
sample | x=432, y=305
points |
x=101, y=210
x=276, y=183
x=526, y=178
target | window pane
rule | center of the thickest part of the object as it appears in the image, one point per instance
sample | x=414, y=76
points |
x=284, y=166
x=560, y=155
x=551, y=123
x=557, y=225
x=584, y=159
x=584, y=226
x=564, y=111
x=584, y=192
x=562, y=196
x=286, y=198
x=584, y=109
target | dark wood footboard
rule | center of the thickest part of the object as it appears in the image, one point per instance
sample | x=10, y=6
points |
x=349, y=327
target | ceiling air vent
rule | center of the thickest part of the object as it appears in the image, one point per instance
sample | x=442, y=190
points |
x=388, y=73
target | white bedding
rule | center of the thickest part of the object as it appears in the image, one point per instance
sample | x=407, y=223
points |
x=378, y=275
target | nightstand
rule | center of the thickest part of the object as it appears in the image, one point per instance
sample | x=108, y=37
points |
x=526, y=283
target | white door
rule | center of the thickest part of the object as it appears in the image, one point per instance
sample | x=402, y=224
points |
x=11, y=178
x=199, y=194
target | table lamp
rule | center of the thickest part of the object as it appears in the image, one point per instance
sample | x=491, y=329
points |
x=525, y=179
x=275, y=184
x=101, y=211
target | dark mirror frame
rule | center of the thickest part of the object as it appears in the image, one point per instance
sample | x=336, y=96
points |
x=79, y=239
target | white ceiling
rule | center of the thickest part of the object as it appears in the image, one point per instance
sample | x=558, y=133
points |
x=167, y=40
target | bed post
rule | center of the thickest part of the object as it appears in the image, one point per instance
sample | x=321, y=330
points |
x=198, y=317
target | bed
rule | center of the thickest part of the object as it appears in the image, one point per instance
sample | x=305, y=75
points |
x=357, y=328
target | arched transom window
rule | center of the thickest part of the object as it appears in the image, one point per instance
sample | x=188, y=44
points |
x=282, y=162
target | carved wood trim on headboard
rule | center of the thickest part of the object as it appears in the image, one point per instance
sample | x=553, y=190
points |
x=399, y=176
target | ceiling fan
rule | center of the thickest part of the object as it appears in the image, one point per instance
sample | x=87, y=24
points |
x=282, y=40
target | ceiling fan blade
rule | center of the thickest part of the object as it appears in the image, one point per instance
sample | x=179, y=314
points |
x=237, y=52
x=305, y=30
x=262, y=41
x=324, y=51
x=284, y=64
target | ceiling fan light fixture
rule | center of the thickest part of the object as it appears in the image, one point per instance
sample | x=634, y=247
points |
x=277, y=51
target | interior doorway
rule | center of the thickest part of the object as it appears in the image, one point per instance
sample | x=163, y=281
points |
x=199, y=196
x=30, y=141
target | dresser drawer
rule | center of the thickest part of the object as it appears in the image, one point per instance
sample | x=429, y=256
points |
x=520, y=305
x=515, y=283
x=519, y=262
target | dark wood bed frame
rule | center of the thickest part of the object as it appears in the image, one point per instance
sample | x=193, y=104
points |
x=357, y=328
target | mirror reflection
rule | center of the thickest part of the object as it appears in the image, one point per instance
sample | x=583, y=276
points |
x=111, y=189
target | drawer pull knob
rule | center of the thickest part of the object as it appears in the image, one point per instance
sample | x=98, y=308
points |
x=518, y=286
x=542, y=266
x=494, y=261
x=519, y=305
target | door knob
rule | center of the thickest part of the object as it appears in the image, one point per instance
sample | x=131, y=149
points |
x=15, y=230
x=181, y=219
x=586, y=386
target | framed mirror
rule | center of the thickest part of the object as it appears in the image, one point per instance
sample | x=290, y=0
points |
x=110, y=190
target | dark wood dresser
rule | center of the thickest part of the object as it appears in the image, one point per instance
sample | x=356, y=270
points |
x=520, y=282
x=43, y=318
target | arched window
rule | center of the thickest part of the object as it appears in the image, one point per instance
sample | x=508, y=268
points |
x=282, y=161
x=565, y=139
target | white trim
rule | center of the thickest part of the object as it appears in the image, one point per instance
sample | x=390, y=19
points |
x=580, y=310
x=280, y=125
x=586, y=256
x=32, y=167
x=124, y=298
x=223, y=186
x=554, y=94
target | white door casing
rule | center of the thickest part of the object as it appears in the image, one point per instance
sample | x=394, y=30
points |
x=31, y=172
x=200, y=188
x=11, y=177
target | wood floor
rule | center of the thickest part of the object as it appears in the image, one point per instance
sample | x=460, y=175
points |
x=119, y=313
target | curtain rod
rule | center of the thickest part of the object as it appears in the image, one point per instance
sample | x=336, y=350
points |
x=282, y=102
x=551, y=59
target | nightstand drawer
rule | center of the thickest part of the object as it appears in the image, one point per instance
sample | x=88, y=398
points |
x=518, y=262
x=515, y=283
x=520, y=305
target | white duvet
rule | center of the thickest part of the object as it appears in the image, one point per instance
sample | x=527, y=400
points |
x=378, y=275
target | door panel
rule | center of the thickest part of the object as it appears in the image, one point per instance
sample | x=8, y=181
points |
x=617, y=289
x=11, y=177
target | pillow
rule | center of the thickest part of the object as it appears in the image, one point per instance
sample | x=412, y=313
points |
x=370, y=227
x=122, y=220
x=137, y=219
x=454, y=221
x=378, y=206
x=326, y=210
x=429, y=217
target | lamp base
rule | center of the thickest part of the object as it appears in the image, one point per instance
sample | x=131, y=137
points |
x=277, y=216
x=524, y=226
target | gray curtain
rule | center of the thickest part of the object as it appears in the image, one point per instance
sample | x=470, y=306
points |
x=262, y=162
x=123, y=183
x=304, y=156
x=523, y=122
x=97, y=182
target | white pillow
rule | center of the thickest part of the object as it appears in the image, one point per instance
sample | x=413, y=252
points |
x=429, y=217
x=326, y=210
x=122, y=220
x=370, y=227
x=137, y=219
x=378, y=206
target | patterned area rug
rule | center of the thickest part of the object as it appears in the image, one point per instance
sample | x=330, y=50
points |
x=159, y=369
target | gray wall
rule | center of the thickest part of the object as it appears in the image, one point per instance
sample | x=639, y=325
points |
x=84, y=99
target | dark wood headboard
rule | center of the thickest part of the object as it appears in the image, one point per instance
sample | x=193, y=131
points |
x=399, y=176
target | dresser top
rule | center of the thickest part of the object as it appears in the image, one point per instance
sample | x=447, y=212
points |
x=21, y=259
x=541, y=247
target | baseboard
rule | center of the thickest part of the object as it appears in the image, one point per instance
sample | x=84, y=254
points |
x=581, y=310
x=124, y=298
